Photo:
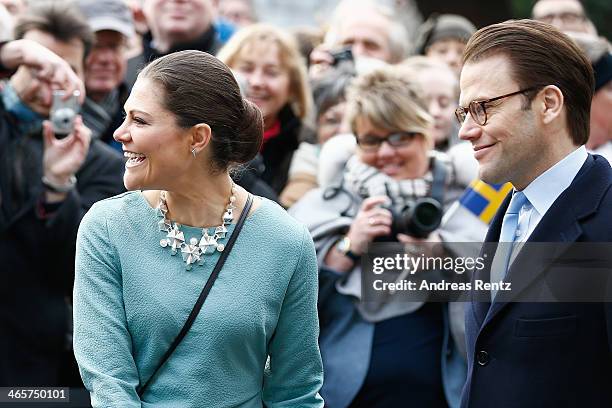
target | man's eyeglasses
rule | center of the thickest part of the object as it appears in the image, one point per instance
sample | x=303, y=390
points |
x=478, y=109
x=371, y=144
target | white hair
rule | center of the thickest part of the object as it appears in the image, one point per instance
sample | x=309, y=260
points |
x=399, y=39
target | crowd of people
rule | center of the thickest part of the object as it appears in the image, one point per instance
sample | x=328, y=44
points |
x=196, y=120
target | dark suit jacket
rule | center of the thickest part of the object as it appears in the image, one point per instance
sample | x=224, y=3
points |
x=546, y=354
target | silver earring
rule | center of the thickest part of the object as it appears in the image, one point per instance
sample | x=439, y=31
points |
x=193, y=151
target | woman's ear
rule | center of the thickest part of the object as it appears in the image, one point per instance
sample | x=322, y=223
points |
x=201, y=135
x=551, y=105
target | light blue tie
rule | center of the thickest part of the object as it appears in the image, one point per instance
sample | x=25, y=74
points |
x=508, y=234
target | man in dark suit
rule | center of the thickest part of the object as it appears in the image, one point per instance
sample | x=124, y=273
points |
x=526, y=91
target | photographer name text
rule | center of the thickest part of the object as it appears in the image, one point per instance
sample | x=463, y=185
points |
x=406, y=285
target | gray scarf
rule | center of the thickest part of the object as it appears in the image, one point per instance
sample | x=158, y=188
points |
x=97, y=116
x=364, y=181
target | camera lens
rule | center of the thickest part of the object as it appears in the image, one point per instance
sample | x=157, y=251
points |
x=427, y=214
x=423, y=217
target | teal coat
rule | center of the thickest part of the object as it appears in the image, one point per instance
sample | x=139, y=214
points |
x=131, y=298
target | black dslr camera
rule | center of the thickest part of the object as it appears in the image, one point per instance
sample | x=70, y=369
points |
x=420, y=217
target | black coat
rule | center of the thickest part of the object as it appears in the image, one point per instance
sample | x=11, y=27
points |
x=37, y=244
x=278, y=152
x=267, y=174
x=207, y=42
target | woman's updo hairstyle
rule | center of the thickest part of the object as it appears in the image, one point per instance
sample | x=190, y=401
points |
x=198, y=88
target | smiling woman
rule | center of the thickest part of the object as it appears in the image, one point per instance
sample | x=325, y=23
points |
x=157, y=151
x=275, y=77
x=186, y=125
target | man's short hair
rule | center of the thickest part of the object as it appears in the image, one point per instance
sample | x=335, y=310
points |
x=60, y=19
x=541, y=55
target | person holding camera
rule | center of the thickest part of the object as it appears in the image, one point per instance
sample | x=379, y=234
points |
x=47, y=183
x=364, y=32
x=397, y=353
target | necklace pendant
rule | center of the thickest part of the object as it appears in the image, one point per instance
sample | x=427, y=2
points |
x=164, y=225
x=220, y=231
x=176, y=239
x=209, y=246
x=191, y=253
x=228, y=216
x=175, y=246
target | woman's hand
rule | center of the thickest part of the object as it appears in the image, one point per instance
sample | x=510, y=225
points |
x=371, y=221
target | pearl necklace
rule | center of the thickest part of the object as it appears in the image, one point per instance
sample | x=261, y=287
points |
x=194, y=251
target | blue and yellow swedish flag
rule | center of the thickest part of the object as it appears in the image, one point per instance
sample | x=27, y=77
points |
x=483, y=199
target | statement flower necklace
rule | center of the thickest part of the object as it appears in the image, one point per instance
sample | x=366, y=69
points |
x=194, y=251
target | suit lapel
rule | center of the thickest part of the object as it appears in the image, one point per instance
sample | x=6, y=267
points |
x=556, y=226
x=561, y=223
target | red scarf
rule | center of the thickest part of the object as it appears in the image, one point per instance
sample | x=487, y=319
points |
x=271, y=133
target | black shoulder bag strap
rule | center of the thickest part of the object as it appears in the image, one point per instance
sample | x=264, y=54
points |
x=203, y=295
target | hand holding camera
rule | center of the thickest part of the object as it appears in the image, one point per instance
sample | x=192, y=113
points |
x=62, y=158
x=417, y=218
x=323, y=58
x=371, y=221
